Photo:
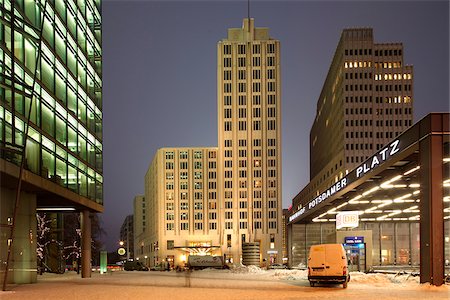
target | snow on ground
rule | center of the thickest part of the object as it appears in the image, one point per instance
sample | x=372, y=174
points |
x=400, y=280
x=282, y=274
x=237, y=283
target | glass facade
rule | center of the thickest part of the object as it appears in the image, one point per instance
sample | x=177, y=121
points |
x=61, y=67
x=392, y=243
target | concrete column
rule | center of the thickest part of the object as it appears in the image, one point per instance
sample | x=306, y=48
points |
x=22, y=265
x=289, y=244
x=431, y=210
x=85, y=244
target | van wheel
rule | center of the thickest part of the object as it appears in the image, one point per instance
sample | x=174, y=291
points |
x=344, y=285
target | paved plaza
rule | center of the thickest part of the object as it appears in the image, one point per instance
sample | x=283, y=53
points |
x=218, y=285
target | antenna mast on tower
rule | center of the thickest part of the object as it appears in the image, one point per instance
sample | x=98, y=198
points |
x=248, y=15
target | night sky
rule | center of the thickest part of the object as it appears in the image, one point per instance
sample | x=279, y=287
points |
x=159, y=76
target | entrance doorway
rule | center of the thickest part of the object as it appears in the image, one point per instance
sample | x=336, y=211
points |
x=356, y=256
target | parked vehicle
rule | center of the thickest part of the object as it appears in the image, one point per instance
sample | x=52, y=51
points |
x=205, y=261
x=327, y=263
x=135, y=266
x=157, y=267
x=162, y=266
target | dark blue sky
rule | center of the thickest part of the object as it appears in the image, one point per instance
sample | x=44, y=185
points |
x=159, y=76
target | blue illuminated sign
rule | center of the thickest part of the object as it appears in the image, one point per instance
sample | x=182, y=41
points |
x=354, y=240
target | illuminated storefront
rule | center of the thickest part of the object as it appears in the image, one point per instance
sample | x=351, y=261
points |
x=401, y=196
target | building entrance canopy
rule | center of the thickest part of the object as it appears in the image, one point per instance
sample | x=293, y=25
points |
x=389, y=185
x=198, y=250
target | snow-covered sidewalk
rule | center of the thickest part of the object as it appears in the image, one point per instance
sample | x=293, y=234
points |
x=238, y=283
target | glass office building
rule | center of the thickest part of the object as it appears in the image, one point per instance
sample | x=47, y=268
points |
x=51, y=77
x=65, y=134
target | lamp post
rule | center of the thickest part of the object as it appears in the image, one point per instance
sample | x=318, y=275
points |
x=121, y=250
x=127, y=242
x=128, y=245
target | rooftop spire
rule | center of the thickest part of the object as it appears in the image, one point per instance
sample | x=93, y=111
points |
x=248, y=13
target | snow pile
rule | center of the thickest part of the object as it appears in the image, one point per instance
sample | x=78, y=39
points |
x=300, y=266
x=290, y=274
x=247, y=269
x=355, y=277
x=210, y=270
x=373, y=278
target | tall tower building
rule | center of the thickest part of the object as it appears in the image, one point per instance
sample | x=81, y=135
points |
x=249, y=125
x=366, y=100
x=50, y=121
x=213, y=200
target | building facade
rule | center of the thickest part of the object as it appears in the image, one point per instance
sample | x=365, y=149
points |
x=213, y=200
x=51, y=80
x=369, y=163
x=181, y=206
x=126, y=236
x=249, y=125
x=139, y=219
x=366, y=101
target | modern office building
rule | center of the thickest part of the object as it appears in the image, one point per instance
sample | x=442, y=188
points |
x=249, y=125
x=214, y=200
x=366, y=101
x=50, y=111
x=370, y=166
x=126, y=236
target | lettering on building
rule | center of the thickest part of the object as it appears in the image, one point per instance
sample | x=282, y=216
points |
x=341, y=184
x=329, y=192
x=378, y=158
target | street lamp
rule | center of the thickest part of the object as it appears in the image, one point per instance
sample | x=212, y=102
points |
x=121, y=243
x=121, y=250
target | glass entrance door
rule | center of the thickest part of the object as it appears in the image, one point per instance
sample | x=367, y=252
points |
x=356, y=257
